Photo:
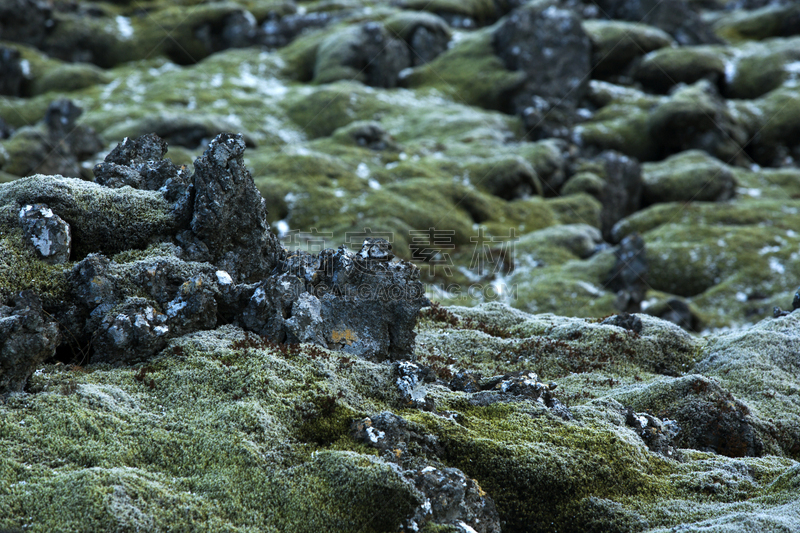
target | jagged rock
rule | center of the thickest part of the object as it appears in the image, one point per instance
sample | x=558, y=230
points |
x=305, y=324
x=129, y=332
x=11, y=74
x=47, y=232
x=425, y=34
x=628, y=277
x=367, y=53
x=26, y=21
x=411, y=379
x=657, y=434
x=57, y=145
x=451, y=497
x=709, y=416
x=550, y=47
x=673, y=16
x=229, y=216
x=27, y=337
x=279, y=31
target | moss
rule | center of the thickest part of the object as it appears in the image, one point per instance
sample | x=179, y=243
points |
x=663, y=68
x=626, y=132
x=615, y=43
x=323, y=110
x=21, y=269
x=69, y=77
x=691, y=175
x=577, y=209
x=97, y=216
x=469, y=72
x=755, y=24
x=479, y=10
x=521, y=474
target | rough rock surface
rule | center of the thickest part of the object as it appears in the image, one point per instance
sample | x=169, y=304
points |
x=685, y=133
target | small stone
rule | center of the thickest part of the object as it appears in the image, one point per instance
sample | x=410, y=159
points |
x=50, y=234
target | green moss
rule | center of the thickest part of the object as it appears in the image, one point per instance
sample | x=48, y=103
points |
x=479, y=10
x=69, y=77
x=21, y=269
x=535, y=480
x=626, y=132
x=469, y=72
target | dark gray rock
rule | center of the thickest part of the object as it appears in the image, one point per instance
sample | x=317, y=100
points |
x=26, y=21
x=455, y=499
x=56, y=145
x=129, y=332
x=425, y=34
x=615, y=180
x=673, y=16
x=11, y=73
x=271, y=304
x=47, y=232
x=305, y=324
x=517, y=386
x=411, y=382
x=230, y=216
x=140, y=163
x=625, y=321
x=628, y=277
x=27, y=337
x=368, y=53
x=549, y=45
x=278, y=31
x=656, y=433
x=237, y=29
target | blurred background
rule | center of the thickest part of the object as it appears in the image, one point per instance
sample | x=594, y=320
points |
x=577, y=157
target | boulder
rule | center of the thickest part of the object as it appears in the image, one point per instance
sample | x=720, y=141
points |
x=28, y=336
x=548, y=45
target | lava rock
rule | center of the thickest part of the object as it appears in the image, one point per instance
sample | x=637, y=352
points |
x=550, y=46
x=615, y=180
x=305, y=324
x=709, y=416
x=657, y=434
x=229, y=216
x=425, y=34
x=673, y=16
x=271, y=304
x=395, y=437
x=130, y=332
x=367, y=53
x=625, y=321
x=140, y=163
x=57, y=145
x=27, y=337
x=26, y=21
x=512, y=387
x=628, y=277
x=410, y=381
x=277, y=32
x=455, y=499
x=12, y=76
x=48, y=232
